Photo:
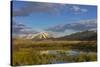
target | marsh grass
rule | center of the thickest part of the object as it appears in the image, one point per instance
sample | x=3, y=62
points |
x=27, y=52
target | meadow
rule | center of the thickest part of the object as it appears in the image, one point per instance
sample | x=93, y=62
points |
x=29, y=52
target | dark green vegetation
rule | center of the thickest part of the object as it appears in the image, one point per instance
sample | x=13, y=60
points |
x=28, y=52
x=83, y=36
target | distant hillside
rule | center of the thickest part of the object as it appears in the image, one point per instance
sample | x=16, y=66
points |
x=85, y=35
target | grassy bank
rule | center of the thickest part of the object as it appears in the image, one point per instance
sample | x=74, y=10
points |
x=27, y=52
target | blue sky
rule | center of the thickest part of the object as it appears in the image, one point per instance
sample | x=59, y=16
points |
x=44, y=15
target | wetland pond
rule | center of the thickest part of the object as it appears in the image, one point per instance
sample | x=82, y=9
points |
x=67, y=56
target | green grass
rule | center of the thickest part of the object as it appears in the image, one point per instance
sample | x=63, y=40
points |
x=27, y=52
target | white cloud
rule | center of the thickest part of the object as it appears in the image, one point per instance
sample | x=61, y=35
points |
x=75, y=8
x=84, y=10
x=75, y=26
x=78, y=9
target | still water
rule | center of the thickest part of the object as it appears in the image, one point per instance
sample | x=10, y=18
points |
x=62, y=54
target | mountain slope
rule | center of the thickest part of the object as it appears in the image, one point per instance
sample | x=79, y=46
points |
x=85, y=35
x=41, y=35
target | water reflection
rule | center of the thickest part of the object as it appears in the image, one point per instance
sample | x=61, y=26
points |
x=64, y=56
x=61, y=52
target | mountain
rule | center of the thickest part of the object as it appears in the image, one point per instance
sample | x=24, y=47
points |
x=41, y=35
x=84, y=35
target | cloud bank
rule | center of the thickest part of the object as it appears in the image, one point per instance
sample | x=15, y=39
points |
x=19, y=28
x=34, y=7
x=81, y=25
